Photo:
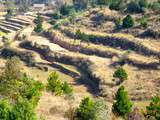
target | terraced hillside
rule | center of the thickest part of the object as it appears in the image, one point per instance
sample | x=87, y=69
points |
x=86, y=54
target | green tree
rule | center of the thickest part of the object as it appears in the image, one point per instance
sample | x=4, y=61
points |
x=122, y=105
x=153, y=110
x=121, y=74
x=117, y=4
x=128, y=22
x=85, y=110
x=54, y=84
x=118, y=23
x=5, y=110
x=23, y=110
x=80, y=4
x=38, y=21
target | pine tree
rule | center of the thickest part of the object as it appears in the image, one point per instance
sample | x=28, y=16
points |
x=123, y=105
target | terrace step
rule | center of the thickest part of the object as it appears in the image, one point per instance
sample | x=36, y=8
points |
x=5, y=30
x=20, y=22
x=9, y=26
x=13, y=24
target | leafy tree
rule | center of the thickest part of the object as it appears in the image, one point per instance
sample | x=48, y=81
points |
x=121, y=74
x=128, y=22
x=23, y=110
x=153, y=110
x=66, y=9
x=122, y=105
x=5, y=109
x=85, y=110
x=38, y=21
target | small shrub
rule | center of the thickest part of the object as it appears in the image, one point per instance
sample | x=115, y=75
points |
x=118, y=23
x=134, y=7
x=143, y=22
x=56, y=15
x=101, y=110
x=153, y=110
x=121, y=74
x=128, y=22
x=23, y=110
x=85, y=110
x=57, y=86
x=67, y=89
x=116, y=5
x=54, y=84
x=5, y=110
x=122, y=105
x=143, y=3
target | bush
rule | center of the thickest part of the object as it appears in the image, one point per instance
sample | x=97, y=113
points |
x=143, y=3
x=128, y=22
x=58, y=87
x=54, y=84
x=82, y=36
x=116, y=5
x=143, y=22
x=123, y=105
x=67, y=89
x=121, y=74
x=56, y=15
x=80, y=4
x=85, y=110
x=23, y=110
x=118, y=23
x=5, y=110
x=134, y=7
x=101, y=110
x=155, y=6
x=153, y=110
x=90, y=110
x=66, y=10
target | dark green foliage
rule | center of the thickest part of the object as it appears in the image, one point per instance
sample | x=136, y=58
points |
x=38, y=21
x=85, y=110
x=155, y=6
x=122, y=105
x=5, y=110
x=23, y=110
x=134, y=7
x=153, y=110
x=128, y=22
x=90, y=110
x=102, y=2
x=66, y=88
x=143, y=3
x=121, y=74
x=57, y=86
x=82, y=36
x=80, y=4
x=54, y=84
x=56, y=15
x=118, y=23
x=143, y=22
x=9, y=13
x=116, y=5
x=66, y=9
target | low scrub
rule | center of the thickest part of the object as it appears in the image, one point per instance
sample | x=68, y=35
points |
x=57, y=86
